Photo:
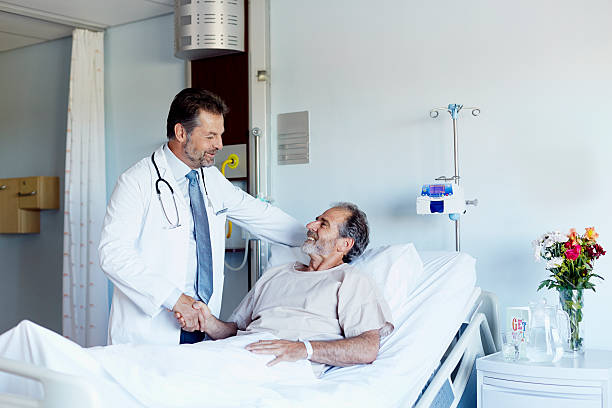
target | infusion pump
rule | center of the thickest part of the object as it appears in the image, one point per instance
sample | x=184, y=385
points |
x=444, y=198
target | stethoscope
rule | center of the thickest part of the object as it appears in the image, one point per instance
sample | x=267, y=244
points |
x=160, y=179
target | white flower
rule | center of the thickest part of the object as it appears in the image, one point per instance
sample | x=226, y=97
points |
x=543, y=243
x=556, y=236
x=554, y=263
x=537, y=250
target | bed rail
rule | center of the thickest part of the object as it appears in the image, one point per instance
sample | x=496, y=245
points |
x=60, y=390
x=481, y=337
x=489, y=305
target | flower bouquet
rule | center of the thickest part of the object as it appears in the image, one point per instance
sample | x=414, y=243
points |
x=570, y=258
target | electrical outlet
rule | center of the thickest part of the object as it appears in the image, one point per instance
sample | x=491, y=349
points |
x=239, y=150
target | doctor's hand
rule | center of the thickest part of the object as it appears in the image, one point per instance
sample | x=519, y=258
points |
x=186, y=315
x=283, y=350
x=205, y=316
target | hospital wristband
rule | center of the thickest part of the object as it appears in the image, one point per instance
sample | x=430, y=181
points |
x=308, y=349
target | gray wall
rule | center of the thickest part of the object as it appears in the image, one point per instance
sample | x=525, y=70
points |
x=141, y=78
x=33, y=107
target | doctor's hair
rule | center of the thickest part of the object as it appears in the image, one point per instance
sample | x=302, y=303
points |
x=356, y=227
x=186, y=106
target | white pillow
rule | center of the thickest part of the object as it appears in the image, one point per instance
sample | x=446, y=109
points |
x=396, y=269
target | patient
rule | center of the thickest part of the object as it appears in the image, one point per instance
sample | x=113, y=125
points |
x=324, y=311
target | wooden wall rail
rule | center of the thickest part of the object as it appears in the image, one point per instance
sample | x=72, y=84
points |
x=21, y=200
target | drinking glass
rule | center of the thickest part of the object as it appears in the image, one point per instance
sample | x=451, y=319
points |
x=511, y=343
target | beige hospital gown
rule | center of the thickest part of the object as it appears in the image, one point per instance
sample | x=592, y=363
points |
x=313, y=305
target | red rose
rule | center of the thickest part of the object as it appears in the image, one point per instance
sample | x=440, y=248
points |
x=572, y=252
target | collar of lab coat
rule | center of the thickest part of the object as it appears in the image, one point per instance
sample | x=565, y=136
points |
x=210, y=191
x=176, y=166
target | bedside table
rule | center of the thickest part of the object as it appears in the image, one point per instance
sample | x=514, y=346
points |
x=584, y=382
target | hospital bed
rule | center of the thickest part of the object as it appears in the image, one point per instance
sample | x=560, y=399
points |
x=443, y=322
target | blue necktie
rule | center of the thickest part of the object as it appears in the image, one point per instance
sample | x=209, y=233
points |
x=204, y=278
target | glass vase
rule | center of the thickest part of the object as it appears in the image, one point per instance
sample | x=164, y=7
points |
x=572, y=302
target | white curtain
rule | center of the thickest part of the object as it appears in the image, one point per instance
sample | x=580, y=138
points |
x=85, y=294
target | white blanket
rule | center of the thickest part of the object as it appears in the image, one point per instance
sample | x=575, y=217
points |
x=214, y=373
x=223, y=373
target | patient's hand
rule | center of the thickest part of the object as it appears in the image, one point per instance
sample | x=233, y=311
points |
x=204, y=316
x=283, y=350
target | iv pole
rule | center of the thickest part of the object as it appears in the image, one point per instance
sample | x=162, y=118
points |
x=453, y=109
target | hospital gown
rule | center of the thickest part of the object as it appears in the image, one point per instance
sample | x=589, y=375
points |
x=295, y=305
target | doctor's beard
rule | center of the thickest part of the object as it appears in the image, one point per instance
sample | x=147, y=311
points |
x=198, y=157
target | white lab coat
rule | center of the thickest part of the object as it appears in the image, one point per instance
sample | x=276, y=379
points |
x=146, y=260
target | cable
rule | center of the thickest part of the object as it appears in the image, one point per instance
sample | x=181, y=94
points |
x=246, y=256
x=232, y=161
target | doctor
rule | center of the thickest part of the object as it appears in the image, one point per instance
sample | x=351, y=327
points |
x=163, y=240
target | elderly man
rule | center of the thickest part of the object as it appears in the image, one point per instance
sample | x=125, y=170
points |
x=324, y=311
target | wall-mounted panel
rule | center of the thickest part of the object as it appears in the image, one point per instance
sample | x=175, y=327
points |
x=293, y=138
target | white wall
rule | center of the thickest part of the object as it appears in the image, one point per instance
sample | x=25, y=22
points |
x=536, y=158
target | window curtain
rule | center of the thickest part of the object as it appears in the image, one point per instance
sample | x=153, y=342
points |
x=85, y=295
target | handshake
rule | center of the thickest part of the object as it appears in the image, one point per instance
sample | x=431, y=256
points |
x=192, y=314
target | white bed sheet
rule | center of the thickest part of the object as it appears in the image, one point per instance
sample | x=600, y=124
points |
x=407, y=358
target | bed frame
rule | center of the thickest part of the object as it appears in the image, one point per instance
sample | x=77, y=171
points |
x=60, y=390
x=481, y=337
x=446, y=388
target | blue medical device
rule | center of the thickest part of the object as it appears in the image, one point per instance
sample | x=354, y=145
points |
x=446, y=198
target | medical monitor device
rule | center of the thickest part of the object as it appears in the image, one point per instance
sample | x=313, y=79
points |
x=446, y=198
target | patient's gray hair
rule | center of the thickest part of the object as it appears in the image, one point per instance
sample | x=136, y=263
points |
x=356, y=227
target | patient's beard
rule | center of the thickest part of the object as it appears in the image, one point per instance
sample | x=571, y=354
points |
x=319, y=247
